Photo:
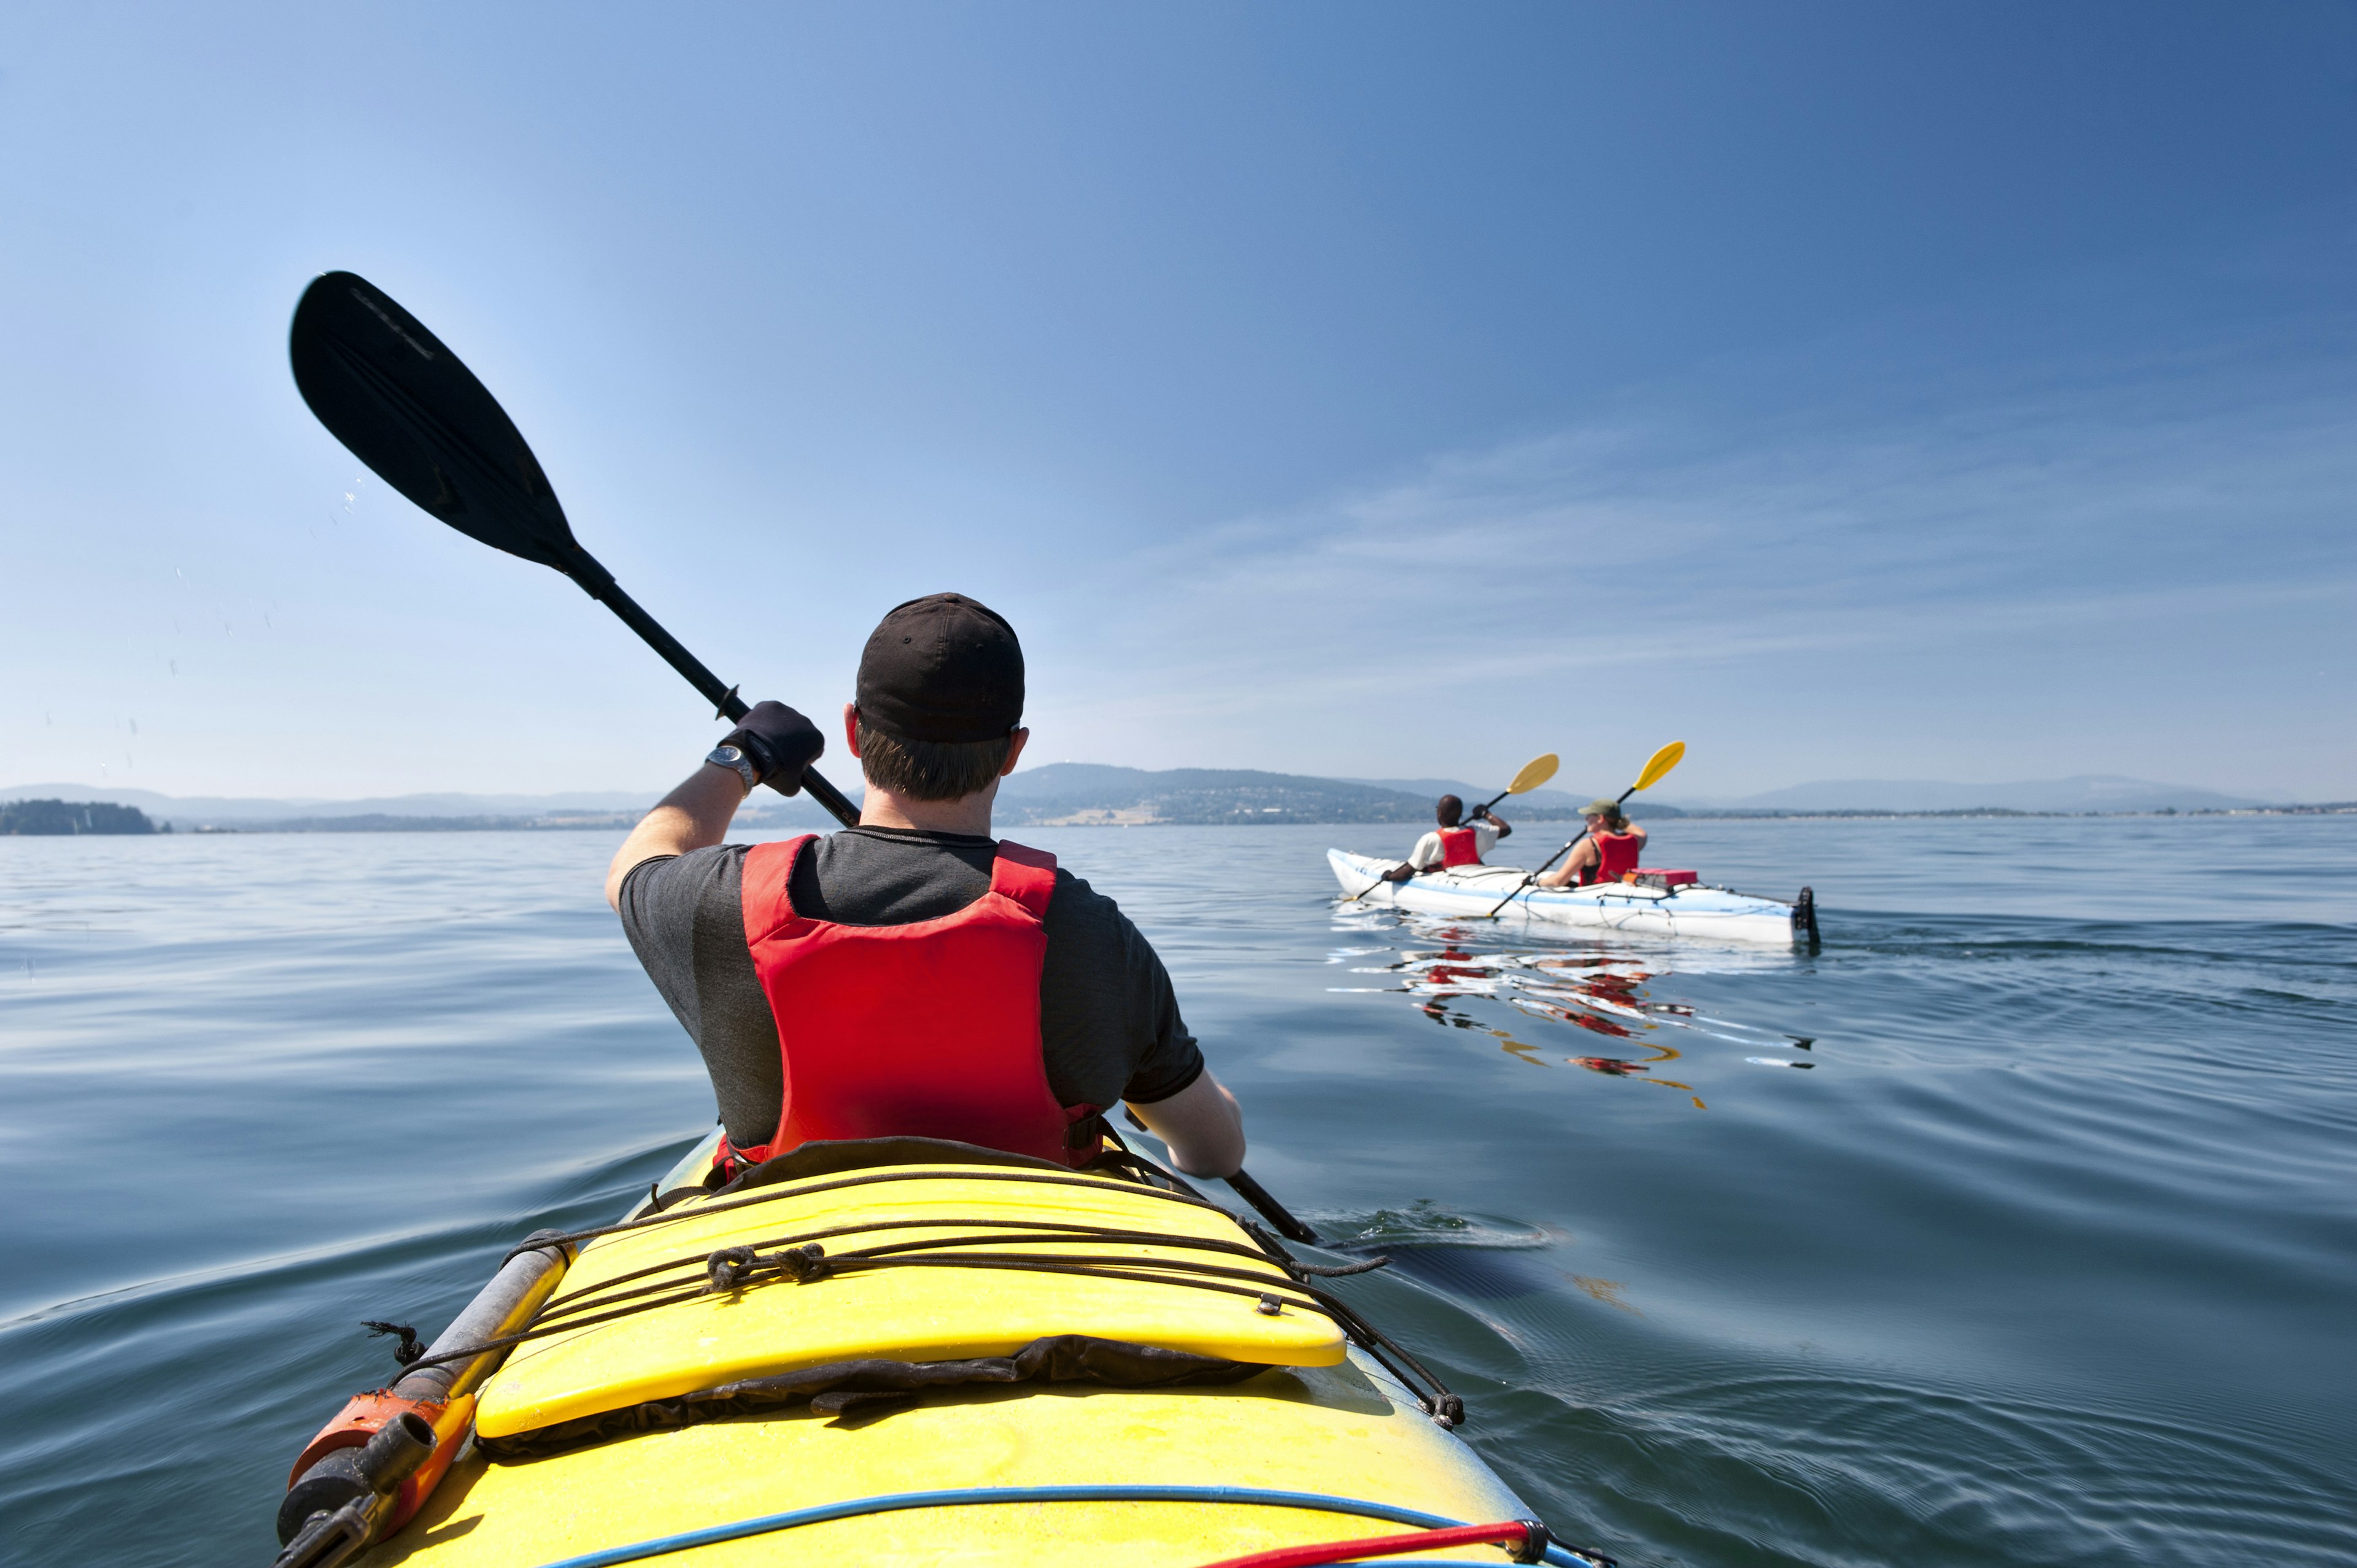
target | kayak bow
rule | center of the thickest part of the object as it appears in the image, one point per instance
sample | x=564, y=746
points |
x=1021, y=1363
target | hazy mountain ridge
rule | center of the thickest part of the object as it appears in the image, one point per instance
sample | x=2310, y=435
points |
x=1539, y=805
x=239, y=808
x=1062, y=793
x=1086, y=793
x=2080, y=793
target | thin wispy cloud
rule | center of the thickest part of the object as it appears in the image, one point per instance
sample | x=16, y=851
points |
x=1785, y=560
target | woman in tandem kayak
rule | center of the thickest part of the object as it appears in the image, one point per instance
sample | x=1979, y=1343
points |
x=1613, y=846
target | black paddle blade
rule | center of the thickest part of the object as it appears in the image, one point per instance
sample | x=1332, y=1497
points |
x=388, y=388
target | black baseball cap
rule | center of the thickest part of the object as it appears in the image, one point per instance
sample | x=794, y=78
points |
x=943, y=668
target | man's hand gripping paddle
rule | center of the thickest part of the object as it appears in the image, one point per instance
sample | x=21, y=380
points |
x=387, y=387
x=1535, y=772
x=1662, y=761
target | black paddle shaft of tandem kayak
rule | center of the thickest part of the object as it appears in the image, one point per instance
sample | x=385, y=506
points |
x=1529, y=877
x=426, y=424
x=391, y=392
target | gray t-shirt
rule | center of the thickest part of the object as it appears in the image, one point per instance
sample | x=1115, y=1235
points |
x=1109, y=1023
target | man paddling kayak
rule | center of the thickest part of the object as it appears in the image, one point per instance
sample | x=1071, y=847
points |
x=1455, y=843
x=1613, y=846
x=908, y=976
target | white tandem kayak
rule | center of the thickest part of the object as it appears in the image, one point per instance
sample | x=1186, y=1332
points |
x=1471, y=891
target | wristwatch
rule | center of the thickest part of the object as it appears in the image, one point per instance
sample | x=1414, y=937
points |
x=733, y=756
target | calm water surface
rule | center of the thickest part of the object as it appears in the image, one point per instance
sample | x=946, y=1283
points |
x=2018, y=1226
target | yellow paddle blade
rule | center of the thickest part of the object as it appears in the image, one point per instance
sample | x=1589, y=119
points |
x=1664, y=760
x=1535, y=772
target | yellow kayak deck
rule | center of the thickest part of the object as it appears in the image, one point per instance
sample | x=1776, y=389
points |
x=930, y=1263
x=1348, y=1432
x=1325, y=1444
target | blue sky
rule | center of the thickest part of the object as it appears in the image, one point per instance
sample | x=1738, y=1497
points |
x=1852, y=390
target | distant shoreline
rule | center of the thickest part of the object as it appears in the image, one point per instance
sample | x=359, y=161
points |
x=609, y=822
x=1081, y=794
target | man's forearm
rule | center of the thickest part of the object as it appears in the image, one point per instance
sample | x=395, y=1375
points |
x=695, y=816
x=1203, y=1126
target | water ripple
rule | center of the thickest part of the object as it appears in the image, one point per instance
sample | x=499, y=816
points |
x=2049, y=1257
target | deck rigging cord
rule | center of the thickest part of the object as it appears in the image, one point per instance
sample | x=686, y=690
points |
x=967, y=1496
x=1525, y=1541
x=724, y=1204
x=800, y=1258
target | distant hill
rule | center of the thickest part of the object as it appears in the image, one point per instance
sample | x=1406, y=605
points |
x=1060, y=792
x=2084, y=792
x=1539, y=805
x=190, y=810
x=1089, y=792
x=1433, y=789
x=61, y=819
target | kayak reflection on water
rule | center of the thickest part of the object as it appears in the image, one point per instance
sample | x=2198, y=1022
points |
x=1598, y=990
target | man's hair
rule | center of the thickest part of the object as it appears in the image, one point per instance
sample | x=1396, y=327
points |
x=929, y=770
x=1449, y=811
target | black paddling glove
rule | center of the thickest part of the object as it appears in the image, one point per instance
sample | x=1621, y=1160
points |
x=780, y=743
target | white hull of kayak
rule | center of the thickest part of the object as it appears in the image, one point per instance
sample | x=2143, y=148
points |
x=1472, y=891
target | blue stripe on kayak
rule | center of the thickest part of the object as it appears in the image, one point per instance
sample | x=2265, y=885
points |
x=1615, y=903
x=964, y=1497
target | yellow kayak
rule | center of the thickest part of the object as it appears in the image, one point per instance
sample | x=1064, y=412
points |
x=952, y=1356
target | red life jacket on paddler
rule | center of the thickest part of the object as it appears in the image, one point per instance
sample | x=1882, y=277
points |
x=929, y=1029
x=1617, y=852
x=1460, y=848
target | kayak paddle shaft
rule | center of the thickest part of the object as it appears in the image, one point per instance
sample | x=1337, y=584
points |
x=402, y=402
x=1289, y=1228
x=599, y=585
x=1532, y=876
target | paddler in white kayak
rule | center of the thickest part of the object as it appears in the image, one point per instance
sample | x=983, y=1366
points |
x=1455, y=842
x=1613, y=847
x=908, y=976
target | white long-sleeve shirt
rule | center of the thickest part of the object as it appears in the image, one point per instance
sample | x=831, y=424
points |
x=1428, y=852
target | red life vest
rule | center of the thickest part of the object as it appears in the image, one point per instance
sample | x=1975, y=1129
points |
x=929, y=1029
x=1460, y=848
x=1616, y=854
